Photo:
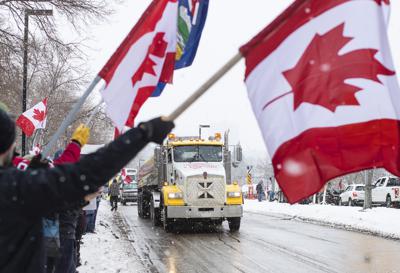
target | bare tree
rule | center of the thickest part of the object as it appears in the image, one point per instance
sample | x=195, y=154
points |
x=56, y=67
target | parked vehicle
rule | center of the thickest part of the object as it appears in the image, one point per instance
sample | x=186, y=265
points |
x=129, y=193
x=352, y=195
x=386, y=191
x=332, y=197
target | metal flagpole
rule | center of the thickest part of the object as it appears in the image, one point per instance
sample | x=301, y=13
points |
x=203, y=89
x=93, y=114
x=70, y=117
x=37, y=137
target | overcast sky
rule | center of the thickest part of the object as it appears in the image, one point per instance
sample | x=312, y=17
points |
x=230, y=24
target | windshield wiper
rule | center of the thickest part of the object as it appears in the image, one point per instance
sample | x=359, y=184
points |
x=202, y=157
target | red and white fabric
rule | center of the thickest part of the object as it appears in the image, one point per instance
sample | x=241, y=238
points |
x=323, y=88
x=125, y=177
x=145, y=58
x=33, y=119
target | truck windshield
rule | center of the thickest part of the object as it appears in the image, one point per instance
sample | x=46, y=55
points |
x=198, y=153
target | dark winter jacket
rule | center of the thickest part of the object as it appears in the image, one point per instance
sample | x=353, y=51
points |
x=259, y=188
x=114, y=189
x=26, y=197
x=69, y=218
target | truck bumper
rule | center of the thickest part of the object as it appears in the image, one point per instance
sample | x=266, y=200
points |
x=187, y=212
x=130, y=198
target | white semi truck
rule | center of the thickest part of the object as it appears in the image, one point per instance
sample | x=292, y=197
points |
x=189, y=180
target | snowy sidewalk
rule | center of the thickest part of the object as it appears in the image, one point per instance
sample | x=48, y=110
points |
x=380, y=221
x=108, y=250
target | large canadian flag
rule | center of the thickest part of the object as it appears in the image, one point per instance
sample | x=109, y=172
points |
x=33, y=119
x=324, y=90
x=145, y=58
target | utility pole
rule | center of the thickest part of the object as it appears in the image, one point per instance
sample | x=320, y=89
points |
x=28, y=12
x=368, y=189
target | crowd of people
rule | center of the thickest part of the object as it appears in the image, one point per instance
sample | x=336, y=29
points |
x=41, y=199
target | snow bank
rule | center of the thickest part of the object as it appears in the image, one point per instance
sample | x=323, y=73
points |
x=108, y=250
x=380, y=221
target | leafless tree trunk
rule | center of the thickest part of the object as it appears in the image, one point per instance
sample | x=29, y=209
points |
x=368, y=189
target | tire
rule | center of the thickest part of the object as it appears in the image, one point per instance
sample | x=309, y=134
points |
x=388, y=201
x=140, y=206
x=350, y=203
x=340, y=202
x=145, y=208
x=167, y=223
x=154, y=214
x=234, y=224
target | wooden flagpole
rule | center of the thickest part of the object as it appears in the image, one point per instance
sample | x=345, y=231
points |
x=204, y=88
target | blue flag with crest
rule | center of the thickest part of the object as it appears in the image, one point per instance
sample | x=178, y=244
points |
x=192, y=18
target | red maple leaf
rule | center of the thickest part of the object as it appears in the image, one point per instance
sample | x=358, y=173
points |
x=319, y=76
x=379, y=2
x=39, y=115
x=158, y=48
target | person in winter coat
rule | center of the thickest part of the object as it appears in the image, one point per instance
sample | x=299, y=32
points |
x=64, y=260
x=27, y=197
x=80, y=230
x=114, y=194
x=260, y=191
x=67, y=262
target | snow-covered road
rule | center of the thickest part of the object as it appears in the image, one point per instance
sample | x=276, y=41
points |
x=267, y=242
x=109, y=250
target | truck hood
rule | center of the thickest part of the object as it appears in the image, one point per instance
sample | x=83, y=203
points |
x=198, y=168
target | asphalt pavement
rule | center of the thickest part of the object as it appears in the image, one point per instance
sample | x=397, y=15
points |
x=265, y=243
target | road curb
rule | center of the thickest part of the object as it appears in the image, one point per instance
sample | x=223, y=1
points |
x=289, y=217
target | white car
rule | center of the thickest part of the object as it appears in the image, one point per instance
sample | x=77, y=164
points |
x=353, y=195
x=386, y=191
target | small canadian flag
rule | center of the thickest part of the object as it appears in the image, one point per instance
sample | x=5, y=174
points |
x=33, y=119
x=127, y=179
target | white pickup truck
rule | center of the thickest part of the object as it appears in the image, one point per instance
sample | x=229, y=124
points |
x=386, y=191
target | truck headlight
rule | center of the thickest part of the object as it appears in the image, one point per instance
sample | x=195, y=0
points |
x=175, y=195
x=234, y=194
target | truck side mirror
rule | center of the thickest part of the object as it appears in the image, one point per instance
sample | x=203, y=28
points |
x=238, y=153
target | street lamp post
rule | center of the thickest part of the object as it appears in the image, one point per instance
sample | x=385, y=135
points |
x=202, y=126
x=28, y=12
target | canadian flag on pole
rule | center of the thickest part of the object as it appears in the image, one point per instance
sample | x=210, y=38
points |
x=323, y=87
x=145, y=58
x=33, y=119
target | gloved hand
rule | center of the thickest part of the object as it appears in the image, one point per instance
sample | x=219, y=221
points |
x=37, y=162
x=156, y=130
x=81, y=134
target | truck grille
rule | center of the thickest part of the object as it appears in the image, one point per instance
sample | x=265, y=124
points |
x=201, y=192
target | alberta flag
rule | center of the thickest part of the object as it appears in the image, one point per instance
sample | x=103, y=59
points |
x=192, y=15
